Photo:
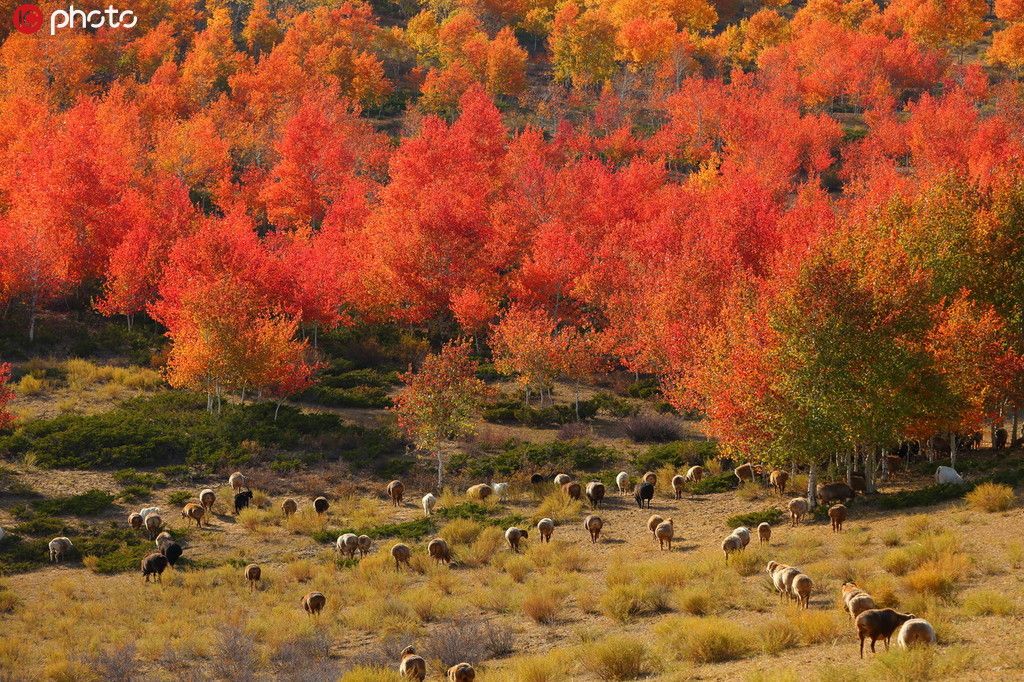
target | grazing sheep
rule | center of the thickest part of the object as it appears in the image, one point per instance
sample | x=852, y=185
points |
x=237, y=481
x=439, y=551
x=500, y=491
x=59, y=548
x=401, y=554
x=514, y=536
x=651, y=477
x=764, y=533
x=622, y=482
x=461, y=672
x=695, y=474
x=801, y=589
x=652, y=525
x=193, y=512
x=412, y=666
x=429, y=501
x=837, y=513
x=562, y=479
x=643, y=492
x=744, y=472
x=347, y=544
x=146, y=511
x=545, y=527
x=253, y=574
x=743, y=533
x=154, y=565
x=314, y=603
x=778, y=480
x=364, y=543
x=834, y=492
x=396, y=490
x=859, y=603
x=289, y=507
x=480, y=491
x=798, y=507
x=678, y=482
x=731, y=544
x=664, y=531
x=134, y=520
x=242, y=501
x=171, y=550
x=153, y=524
x=163, y=539
x=879, y=624
x=537, y=479
x=321, y=505
x=948, y=475
x=206, y=498
x=915, y=631
x=573, y=490
x=595, y=493
x=782, y=578
x=593, y=524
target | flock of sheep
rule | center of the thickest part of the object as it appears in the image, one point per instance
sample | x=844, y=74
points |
x=872, y=623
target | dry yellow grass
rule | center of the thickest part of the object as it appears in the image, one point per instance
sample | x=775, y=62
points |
x=991, y=497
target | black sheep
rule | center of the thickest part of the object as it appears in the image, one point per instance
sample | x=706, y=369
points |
x=643, y=491
x=536, y=479
x=172, y=551
x=154, y=565
x=242, y=500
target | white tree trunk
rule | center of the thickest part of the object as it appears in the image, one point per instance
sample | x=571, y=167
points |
x=869, y=470
x=952, y=449
x=812, y=484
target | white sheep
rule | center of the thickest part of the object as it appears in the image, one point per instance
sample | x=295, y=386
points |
x=800, y=589
x=622, y=482
x=59, y=548
x=206, y=498
x=237, y=481
x=798, y=506
x=347, y=544
x=147, y=511
x=500, y=491
x=364, y=542
x=915, y=631
x=731, y=544
x=514, y=536
x=162, y=539
x=678, y=483
x=429, y=501
x=665, y=531
x=545, y=527
x=562, y=479
x=764, y=533
x=743, y=533
x=948, y=475
x=782, y=577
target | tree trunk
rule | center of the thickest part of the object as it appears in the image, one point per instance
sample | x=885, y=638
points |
x=277, y=409
x=577, y=403
x=440, y=469
x=849, y=468
x=1013, y=432
x=952, y=449
x=812, y=484
x=869, y=471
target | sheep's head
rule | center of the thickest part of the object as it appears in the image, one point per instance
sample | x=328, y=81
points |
x=772, y=565
x=408, y=651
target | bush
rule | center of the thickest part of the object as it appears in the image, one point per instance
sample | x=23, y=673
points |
x=705, y=640
x=408, y=530
x=576, y=455
x=368, y=397
x=179, y=497
x=719, y=483
x=625, y=602
x=134, y=493
x=513, y=411
x=644, y=389
x=618, y=657
x=991, y=497
x=989, y=603
x=678, y=454
x=542, y=605
x=88, y=503
x=652, y=427
x=359, y=377
x=752, y=520
x=933, y=494
x=140, y=478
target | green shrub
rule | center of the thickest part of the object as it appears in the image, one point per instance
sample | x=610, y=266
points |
x=134, y=493
x=359, y=377
x=513, y=411
x=719, y=483
x=677, y=454
x=85, y=504
x=644, y=389
x=574, y=455
x=41, y=525
x=368, y=397
x=408, y=530
x=772, y=515
x=615, y=406
x=130, y=477
x=179, y=497
x=933, y=494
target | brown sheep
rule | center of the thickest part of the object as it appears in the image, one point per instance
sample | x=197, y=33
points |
x=364, y=543
x=135, y=520
x=480, y=491
x=439, y=551
x=461, y=672
x=764, y=533
x=401, y=554
x=798, y=506
x=514, y=536
x=593, y=524
x=834, y=492
x=837, y=513
x=664, y=531
x=801, y=590
x=154, y=565
x=573, y=490
x=545, y=527
x=59, y=549
x=652, y=525
x=412, y=666
x=253, y=574
x=153, y=524
x=745, y=473
x=858, y=483
x=321, y=505
x=193, y=512
x=206, y=498
x=695, y=474
x=678, y=482
x=778, y=480
x=314, y=603
x=651, y=477
x=595, y=493
x=395, y=492
x=879, y=624
x=289, y=507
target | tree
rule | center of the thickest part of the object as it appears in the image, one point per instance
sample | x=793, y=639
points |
x=439, y=402
x=1008, y=47
x=524, y=344
x=583, y=45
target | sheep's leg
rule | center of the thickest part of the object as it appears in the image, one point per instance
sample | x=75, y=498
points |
x=862, y=646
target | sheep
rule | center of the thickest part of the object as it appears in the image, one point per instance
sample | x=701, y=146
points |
x=778, y=480
x=401, y=554
x=59, y=549
x=135, y=520
x=915, y=631
x=695, y=474
x=514, y=536
x=562, y=479
x=651, y=477
x=858, y=483
x=193, y=512
x=396, y=490
x=163, y=539
x=314, y=603
x=480, y=491
x=850, y=590
x=364, y=543
x=764, y=533
x=573, y=490
x=593, y=524
x=782, y=578
x=948, y=475
x=461, y=672
x=146, y=511
x=745, y=473
x=743, y=533
x=171, y=550
x=664, y=531
x=643, y=492
x=678, y=482
x=800, y=589
x=798, y=506
x=429, y=501
x=289, y=507
x=154, y=565
x=652, y=525
x=879, y=624
x=834, y=492
x=439, y=551
x=595, y=493
x=253, y=573
x=237, y=481
x=622, y=482
x=206, y=498
x=545, y=527
x=500, y=491
x=153, y=524
x=412, y=666
x=242, y=501
x=859, y=603
x=537, y=479
x=321, y=505
x=347, y=544
x=731, y=544
x=837, y=513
